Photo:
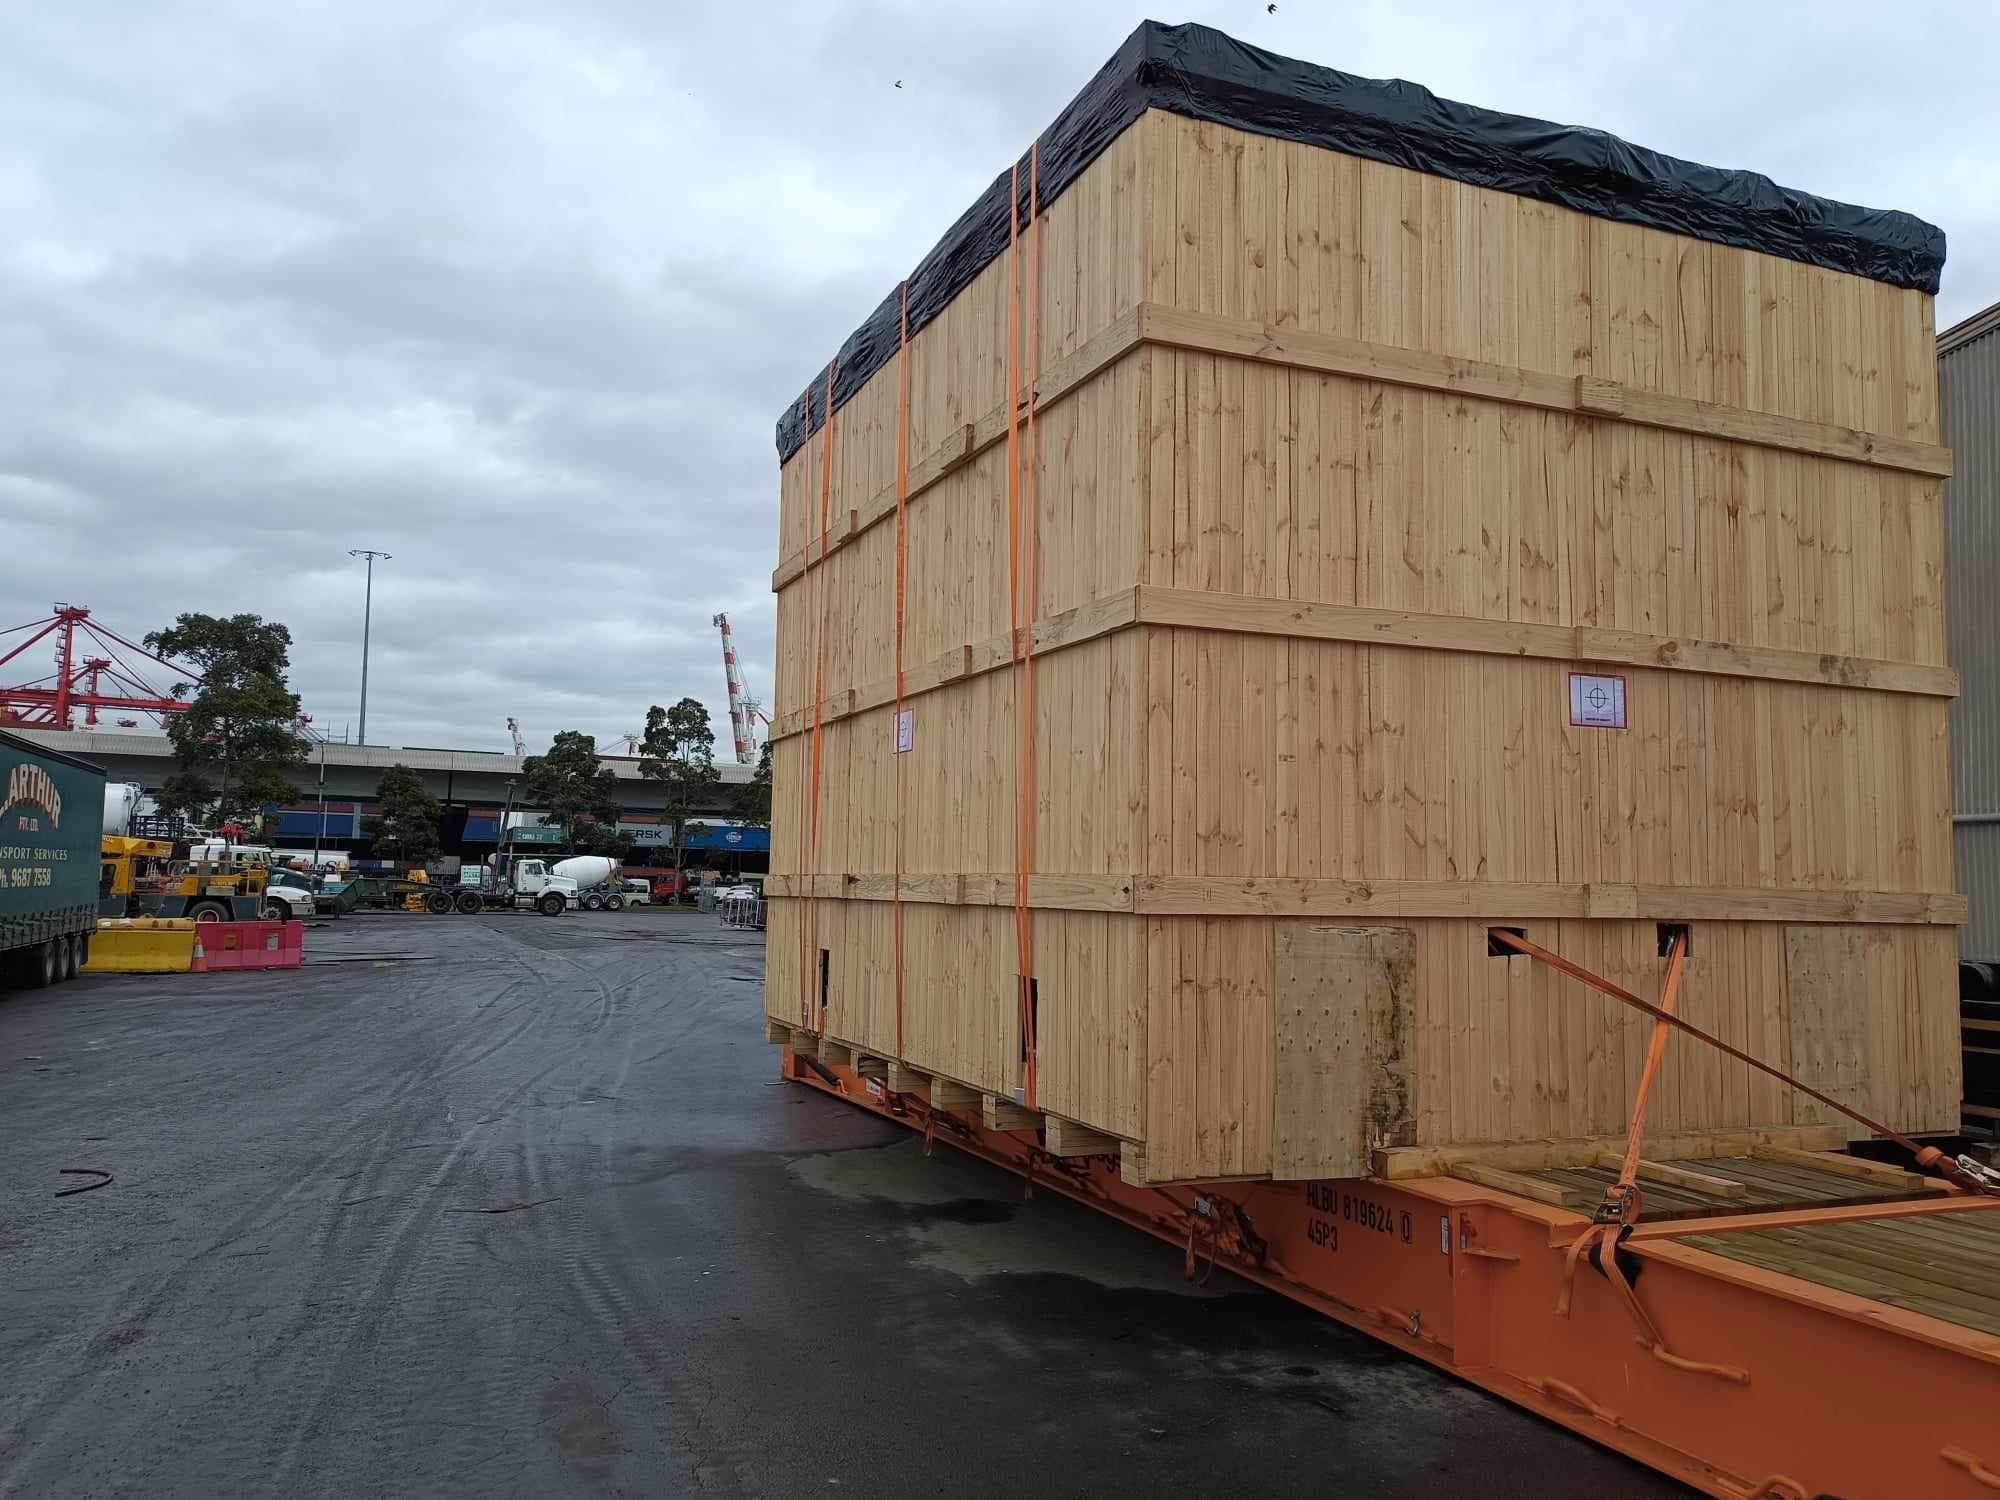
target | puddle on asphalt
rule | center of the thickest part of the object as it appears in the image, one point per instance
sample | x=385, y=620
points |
x=965, y=1218
x=1051, y=1276
x=585, y=1432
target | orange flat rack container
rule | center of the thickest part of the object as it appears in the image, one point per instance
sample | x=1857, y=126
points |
x=1793, y=1289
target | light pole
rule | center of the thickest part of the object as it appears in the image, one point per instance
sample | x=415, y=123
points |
x=367, y=611
x=319, y=835
x=507, y=818
x=506, y=843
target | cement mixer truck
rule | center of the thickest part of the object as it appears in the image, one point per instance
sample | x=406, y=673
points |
x=121, y=805
x=530, y=883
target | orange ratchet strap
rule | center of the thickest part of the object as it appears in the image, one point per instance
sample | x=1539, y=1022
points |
x=1963, y=1173
x=902, y=574
x=819, y=679
x=805, y=808
x=1013, y=415
x=1621, y=1199
x=1620, y=1208
x=1023, y=582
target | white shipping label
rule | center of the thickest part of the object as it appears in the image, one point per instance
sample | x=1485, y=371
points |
x=906, y=730
x=1596, y=702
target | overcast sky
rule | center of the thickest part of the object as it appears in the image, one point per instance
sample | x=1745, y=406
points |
x=515, y=291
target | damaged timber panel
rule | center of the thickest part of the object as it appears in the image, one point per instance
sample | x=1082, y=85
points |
x=1832, y=1019
x=1345, y=1047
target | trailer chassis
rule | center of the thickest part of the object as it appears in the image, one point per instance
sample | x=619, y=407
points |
x=1775, y=1385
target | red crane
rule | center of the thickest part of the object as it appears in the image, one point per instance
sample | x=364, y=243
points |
x=743, y=709
x=85, y=681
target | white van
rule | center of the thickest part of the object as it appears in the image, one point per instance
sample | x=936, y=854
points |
x=638, y=891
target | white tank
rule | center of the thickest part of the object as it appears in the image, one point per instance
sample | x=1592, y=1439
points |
x=586, y=869
x=121, y=800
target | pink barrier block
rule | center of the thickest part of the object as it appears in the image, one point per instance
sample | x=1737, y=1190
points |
x=252, y=945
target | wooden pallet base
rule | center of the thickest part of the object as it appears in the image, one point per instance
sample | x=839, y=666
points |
x=1496, y=1164
x=1061, y=1137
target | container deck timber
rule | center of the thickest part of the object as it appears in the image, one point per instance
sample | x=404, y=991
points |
x=1298, y=554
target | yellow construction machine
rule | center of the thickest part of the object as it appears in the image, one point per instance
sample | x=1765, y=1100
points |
x=125, y=867
x=154, y=878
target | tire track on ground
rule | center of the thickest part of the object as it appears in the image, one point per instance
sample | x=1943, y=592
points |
x=391, y=1263
x=143, y=1298
x=360, y=1269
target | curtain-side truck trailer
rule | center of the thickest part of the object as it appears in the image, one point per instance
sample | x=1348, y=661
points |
x=51, y=815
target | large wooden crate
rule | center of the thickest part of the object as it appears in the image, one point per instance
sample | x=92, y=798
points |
x=1339, y=471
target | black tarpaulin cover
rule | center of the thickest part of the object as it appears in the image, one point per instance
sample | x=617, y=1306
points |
x=1200, y=73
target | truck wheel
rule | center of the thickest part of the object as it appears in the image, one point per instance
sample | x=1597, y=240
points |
x=614, y=903
x=551, y=905
x=438, y=904
x=276, y=911
x=468, y=903
x=42, y=966
x=593, y=902
x=209, y=911
x=72, y=960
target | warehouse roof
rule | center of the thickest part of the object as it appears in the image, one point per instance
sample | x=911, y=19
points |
x=26, y=746
x=1201, y=73
x=1964, y=332
x=419, y=758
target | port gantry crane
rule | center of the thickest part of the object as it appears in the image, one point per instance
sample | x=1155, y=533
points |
x=87, y=681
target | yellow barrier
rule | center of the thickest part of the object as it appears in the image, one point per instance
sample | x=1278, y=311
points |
x=141, y=945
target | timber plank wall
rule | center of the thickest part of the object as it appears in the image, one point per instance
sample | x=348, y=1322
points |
x=1340, y=470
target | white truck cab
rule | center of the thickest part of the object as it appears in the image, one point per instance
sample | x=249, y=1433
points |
x=284, y=901
x=535, y=887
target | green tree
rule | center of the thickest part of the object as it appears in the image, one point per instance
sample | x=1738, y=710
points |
x=604, y=839
x=574, y=786
x=753, y=798
x=238, y=735
x=679, y=753
x=408, y=826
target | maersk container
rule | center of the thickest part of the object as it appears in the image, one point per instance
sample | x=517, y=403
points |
x=51, y=814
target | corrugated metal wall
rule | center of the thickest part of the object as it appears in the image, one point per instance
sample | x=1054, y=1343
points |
x=1969, y=388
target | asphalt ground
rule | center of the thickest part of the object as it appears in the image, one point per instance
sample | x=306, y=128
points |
x=514, y=1205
